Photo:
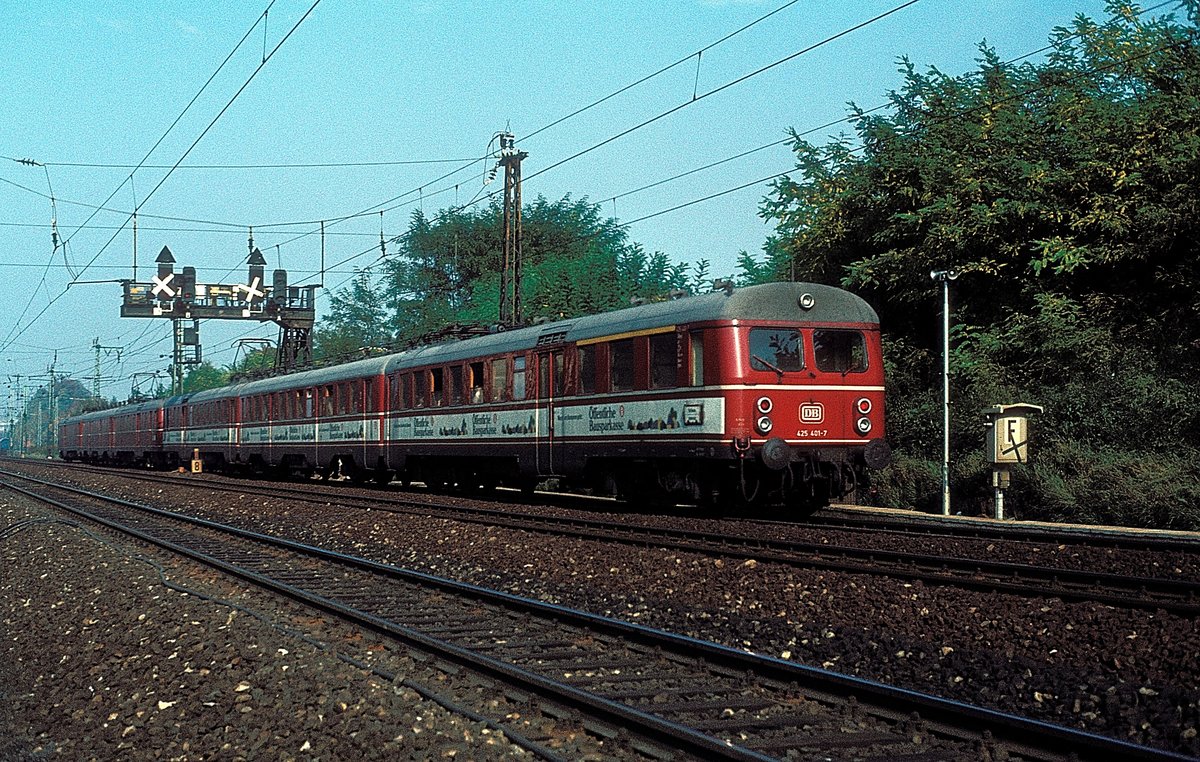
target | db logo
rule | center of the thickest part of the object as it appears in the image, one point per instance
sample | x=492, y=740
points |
x=812, y=412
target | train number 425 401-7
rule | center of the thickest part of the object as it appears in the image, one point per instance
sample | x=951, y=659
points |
x=812, y=433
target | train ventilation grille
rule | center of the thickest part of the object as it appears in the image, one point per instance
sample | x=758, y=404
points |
x=546, y=339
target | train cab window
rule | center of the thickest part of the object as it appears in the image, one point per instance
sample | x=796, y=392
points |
x=455, y=373
x=475, y=381
x=587, y=370
x=663, y=360
x=421, y=378
x=519, y=377
x=500, y=379
x=437, y=387
x=620, y=363
x=839, y=351
x=776, y=349
x=696, y=358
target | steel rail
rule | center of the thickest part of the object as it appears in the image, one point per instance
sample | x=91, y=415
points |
x=1018, y=734
x=925, y=525
x=1176, y=596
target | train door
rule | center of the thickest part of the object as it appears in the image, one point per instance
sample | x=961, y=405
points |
x=549, y=389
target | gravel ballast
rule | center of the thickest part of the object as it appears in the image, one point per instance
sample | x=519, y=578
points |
x=100, y=660
x=1128, y=674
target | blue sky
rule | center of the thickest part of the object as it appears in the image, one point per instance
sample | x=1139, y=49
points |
x=99, y=83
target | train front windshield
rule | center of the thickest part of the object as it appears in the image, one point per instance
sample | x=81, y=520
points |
x=777, y=349
x=782, y=350
x=840, y=351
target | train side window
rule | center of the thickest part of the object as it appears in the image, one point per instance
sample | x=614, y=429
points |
x=663, y=361
x=587, y=369
x=455, y=373
x=839, y=351
x=421, y=378
x=308, y=403
x=620, y=363
x=394, y=400
x=500, y=379
x=519, y=377
x=326, y=400
x=475, y=381
x=356, y=395
x=696, y=357
x=437, y=387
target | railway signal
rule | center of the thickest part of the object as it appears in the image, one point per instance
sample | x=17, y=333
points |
x=1007, y=443
x=180, y=297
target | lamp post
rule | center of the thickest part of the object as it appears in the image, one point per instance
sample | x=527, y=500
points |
x=944, y=277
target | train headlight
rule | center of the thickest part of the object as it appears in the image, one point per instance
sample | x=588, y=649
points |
x=764, y=405
x=863, y=406
x=764, y=424
x=806, y=302
x=863, y=425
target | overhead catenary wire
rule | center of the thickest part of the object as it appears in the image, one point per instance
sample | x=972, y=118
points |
x=280, y=165
x=709, y=93
x=390, y=204
x=659, y=72
x=20, y=330
x=731, y=190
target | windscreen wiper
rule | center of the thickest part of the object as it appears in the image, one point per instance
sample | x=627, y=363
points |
x=770, y=366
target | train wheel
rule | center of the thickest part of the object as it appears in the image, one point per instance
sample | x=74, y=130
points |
x=383, y=477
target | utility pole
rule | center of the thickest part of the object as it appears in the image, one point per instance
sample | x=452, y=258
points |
x=944, y=277
x=53, y=436
x=22, y=424
x=510, y=272
x=96, y=369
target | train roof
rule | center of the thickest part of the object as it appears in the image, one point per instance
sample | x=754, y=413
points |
x=136, y=407
x=371, y=366
x=766, y=302
x=773, y=302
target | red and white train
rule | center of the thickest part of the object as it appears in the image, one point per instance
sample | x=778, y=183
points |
x=770, y=394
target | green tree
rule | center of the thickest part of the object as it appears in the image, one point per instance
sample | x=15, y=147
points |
x=1065, y=193
x=358, y=321
x=445, y=270
x=204, y=376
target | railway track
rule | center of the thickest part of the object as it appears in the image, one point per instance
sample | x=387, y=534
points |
x=926, y=525
x=1178, y=596
x=682, y=694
